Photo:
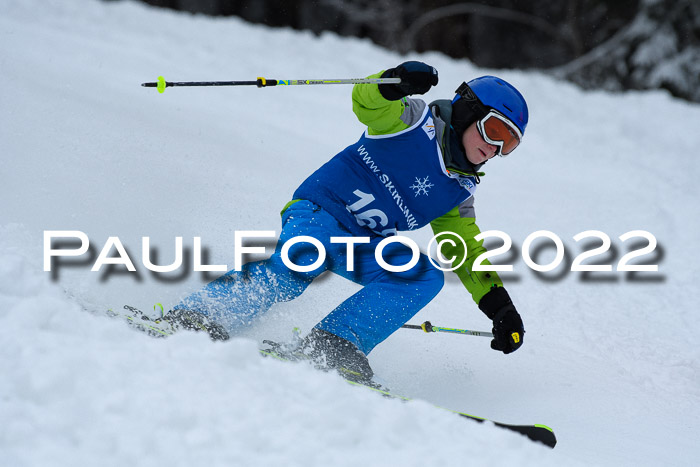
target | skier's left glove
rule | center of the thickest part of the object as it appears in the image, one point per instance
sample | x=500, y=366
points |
x=508, y=331
x=416, y=78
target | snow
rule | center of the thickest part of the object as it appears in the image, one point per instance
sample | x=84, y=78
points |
x=610, y=361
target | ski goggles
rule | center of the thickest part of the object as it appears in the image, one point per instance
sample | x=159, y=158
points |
x=494, y=127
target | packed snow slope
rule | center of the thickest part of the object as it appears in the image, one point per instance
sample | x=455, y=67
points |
x=610, y=359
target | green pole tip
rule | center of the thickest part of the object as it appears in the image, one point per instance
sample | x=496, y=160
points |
x=161, y=84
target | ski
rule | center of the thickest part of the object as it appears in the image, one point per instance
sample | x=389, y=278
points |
x=137, y=319
x=536, y=432
x=169, y=323
x=163, y=327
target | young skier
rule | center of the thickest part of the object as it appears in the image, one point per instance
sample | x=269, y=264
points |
x=415, y=164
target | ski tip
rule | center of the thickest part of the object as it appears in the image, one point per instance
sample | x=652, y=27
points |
x=548, y=438
x=545, y=427
x=538, y=433
x=544, y=435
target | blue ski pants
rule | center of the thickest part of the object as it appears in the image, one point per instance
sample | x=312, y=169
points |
x=386, y=301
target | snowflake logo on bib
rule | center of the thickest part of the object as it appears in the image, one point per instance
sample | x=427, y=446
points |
x=421, y=186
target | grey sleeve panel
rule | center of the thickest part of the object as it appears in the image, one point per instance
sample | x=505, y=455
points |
x=413, y=110
x=466, y=209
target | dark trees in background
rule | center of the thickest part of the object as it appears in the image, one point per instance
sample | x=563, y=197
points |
x=658, y=48
x=610, y=44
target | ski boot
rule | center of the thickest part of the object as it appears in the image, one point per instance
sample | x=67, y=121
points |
x=331, y=352
x=169, y=323
x=194, y=321
x=140, y=321
x=326, y=352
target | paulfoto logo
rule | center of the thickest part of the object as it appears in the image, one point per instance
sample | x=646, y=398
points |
x=445, y=243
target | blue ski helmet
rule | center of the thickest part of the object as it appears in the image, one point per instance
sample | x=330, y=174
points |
x=498, y=94
x=502, y=96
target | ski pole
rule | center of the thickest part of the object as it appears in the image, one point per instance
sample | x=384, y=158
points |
x=428, y=327
x=161, y=84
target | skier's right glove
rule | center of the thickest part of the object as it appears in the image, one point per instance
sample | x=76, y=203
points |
x=508, y=331
x=416, y=78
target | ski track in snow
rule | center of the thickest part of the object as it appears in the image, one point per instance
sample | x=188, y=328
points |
x=610, y=363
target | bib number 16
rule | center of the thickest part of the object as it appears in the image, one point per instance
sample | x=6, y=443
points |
x=373, y=219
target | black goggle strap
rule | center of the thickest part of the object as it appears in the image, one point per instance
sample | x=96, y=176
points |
x=466, y=93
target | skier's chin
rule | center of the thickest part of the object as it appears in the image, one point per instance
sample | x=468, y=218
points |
x=480, y=158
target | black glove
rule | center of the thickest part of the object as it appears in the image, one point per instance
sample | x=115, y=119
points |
x=416, y=78
x=508, y=331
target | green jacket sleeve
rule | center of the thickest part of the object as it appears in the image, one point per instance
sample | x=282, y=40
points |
x=478, y=283
x=382, y=117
